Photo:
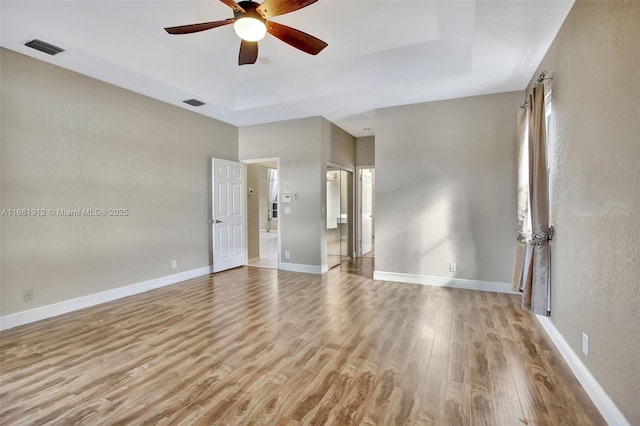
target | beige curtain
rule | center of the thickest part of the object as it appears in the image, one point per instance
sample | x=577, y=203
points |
x=522, y=266
x=536, y=264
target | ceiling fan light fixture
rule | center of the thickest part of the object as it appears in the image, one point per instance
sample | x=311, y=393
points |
x=250, y=29
x=250, y=20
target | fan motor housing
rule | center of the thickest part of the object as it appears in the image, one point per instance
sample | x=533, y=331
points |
x=250, y=8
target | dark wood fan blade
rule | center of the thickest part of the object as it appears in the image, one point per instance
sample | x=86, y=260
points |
x=270, y=8
x=248, y=52
x=194, y=28
x=233, y=5
x=303, y=41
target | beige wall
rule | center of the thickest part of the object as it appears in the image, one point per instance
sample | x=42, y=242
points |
x=595, y=197
x=263, y=189
x=298, y=145
x=339, y=146
x=445, y=187
x=72, y=142
x=253, y=209
x=304, y=146
x=366, y=151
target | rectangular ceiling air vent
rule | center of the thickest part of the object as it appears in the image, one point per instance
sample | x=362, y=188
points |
x=45, y=47
x=194, y=102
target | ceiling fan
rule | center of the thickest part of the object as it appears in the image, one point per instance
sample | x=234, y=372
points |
x=251, y=23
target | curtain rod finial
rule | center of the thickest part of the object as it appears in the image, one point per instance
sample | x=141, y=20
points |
x=542, y=77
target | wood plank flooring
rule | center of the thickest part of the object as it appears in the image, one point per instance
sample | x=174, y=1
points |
x=255, y=346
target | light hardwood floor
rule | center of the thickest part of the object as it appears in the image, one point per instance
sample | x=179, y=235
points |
x=261, y=346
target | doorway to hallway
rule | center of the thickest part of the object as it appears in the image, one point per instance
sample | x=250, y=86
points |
x=268, y=251
x=263, y=203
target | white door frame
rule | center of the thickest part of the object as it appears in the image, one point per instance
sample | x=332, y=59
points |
x=359, y=209
x=268, y=160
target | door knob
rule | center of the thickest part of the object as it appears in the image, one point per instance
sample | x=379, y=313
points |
x=217, y=221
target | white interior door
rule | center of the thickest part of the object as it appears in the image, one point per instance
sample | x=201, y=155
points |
x=229, y=215
x=367, y=210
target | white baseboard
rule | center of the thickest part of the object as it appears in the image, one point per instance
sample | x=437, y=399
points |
x=492, y=286
x=608, y=409
x=48, y=311
x=307, y=269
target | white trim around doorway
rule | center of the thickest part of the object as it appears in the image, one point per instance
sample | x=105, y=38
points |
x=358, y=227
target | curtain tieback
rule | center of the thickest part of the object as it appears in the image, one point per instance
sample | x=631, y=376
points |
x=522, y=237
x=542, y=238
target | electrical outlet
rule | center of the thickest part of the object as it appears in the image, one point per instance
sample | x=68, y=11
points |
x=174, y=264
x=286, y=254
x=452, y=267
x=27, y=295
x=585, y=344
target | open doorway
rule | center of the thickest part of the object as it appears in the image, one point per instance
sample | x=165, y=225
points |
x=366, y=211
x=339, y=232
x=262, y=213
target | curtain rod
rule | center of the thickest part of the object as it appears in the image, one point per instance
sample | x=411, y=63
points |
x=543, y=77
x=540, y=80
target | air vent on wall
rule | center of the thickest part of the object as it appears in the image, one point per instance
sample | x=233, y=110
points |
x=45, y=47
x=194, y=102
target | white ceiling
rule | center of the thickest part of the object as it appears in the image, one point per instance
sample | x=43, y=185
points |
x=380, y=53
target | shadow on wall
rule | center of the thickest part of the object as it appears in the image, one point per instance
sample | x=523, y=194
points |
x=437, y=222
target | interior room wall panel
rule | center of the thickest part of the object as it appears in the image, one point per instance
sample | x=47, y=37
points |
x=595, y=200
x=445, y=188
x=70, y=142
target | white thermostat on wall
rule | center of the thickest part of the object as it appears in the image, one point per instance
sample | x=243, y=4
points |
x=286, y=198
